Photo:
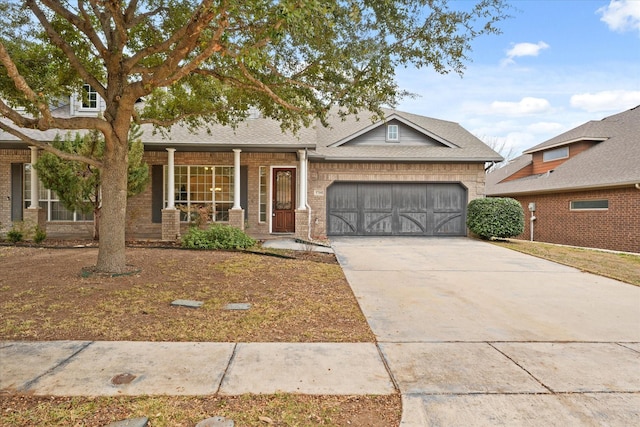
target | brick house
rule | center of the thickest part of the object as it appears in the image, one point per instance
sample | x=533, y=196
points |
x=584, y=183
x=404, y=175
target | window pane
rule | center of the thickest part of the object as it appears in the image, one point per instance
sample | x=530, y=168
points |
x=223, y=190
x=392, y=132
x=559, y=153
x=263, y=194
x=589, y=204
x=60, y=213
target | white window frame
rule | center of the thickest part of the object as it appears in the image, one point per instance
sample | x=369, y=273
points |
x=263, y=194
x=573, y=208
x=217, y=215
x=393, y=133
x=555, y=154
x=92, y=96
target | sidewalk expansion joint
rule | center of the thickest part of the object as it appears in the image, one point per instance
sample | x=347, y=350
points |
x=521, y=367
x=386, y=366
x=62, y=363
x=622, y=344
x=224, y=374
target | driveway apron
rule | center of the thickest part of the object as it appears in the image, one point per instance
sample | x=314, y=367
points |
x=476, y=334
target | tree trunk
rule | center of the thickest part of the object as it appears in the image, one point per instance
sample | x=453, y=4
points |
x=96, y=223
x=111, y=252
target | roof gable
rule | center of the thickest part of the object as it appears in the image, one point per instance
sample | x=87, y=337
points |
x=409, y=134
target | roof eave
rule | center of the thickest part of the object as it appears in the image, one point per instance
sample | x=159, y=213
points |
x=565, y=189
x=567, y=142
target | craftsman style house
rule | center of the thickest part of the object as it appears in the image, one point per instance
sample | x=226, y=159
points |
x=404, y=175
x=582, y=188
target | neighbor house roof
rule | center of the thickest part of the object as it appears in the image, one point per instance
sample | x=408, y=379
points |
x=615, y=161
x=454, y=143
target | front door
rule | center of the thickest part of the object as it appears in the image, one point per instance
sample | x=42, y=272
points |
x=284, y=200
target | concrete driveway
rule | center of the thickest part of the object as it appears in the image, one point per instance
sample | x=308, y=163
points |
x=475, y=334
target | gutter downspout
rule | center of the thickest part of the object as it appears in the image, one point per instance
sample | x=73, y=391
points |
x=532, y=219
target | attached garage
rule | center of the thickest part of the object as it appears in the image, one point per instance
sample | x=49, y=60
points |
x=396, y=209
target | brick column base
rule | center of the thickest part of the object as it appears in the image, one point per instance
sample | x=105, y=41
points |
x=170, y=225
x=33, y=217
x=236, y=218
x=302, y=224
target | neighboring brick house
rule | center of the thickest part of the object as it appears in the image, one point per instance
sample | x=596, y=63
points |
x=585, y=184
x=405, y=175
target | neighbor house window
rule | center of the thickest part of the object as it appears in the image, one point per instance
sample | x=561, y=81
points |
x=90, y=99
x=558, y=153
x=392, y=132
x=203, y=189
x=49, y=201
x=589, y=205
x=263, y=194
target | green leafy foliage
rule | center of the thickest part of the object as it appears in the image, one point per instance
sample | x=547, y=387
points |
x=39, y=234
x=15, y=235
x=495, y=217
x=217, y=236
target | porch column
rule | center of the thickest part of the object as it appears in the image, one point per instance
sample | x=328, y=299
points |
x=35, y=201
x=171, y=196
x=236, y=213
x=236, y=178
x=34, y=216
x=170, y=215
x=302, y=199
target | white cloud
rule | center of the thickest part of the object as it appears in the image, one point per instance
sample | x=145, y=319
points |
x=524, y=49
x=608, y=100
x=544, y=127
x=621, y=15
x=526, y=106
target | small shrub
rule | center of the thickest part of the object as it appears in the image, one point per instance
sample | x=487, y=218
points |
x=14, y=235
x=39, y=234
x=217, y=236
x=498, y=217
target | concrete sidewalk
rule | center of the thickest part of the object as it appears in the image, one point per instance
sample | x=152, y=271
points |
x=85, y=368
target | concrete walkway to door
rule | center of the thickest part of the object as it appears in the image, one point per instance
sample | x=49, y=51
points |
x=475, y=334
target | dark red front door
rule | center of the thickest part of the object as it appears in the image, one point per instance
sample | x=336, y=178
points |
x=284, y=200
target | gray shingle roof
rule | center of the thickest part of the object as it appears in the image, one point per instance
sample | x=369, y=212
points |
x=264, y=133
x=614, y=161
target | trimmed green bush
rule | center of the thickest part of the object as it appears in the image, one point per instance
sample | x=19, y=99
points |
x=217, y=236
x=495, y=217
x=39, y=234
x=14, y=235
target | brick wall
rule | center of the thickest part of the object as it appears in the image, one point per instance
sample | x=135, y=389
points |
x=617, y=228
x=322, y=175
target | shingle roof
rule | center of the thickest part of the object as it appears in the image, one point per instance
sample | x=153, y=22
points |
x=264, y=133
x=614, y=161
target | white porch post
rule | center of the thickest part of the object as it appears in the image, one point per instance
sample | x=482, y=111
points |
x=302, y=199
x=236, y=178
x=35, y=196
x=171, y=194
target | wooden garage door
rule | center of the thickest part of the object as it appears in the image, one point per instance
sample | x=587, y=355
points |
x=396, y=209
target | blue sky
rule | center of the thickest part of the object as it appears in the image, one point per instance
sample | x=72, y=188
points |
x=557, y=64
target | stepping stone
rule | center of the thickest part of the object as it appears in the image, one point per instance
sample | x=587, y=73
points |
x=131, y=422
x=216, y=422
x=187, y=303
x=238, y=306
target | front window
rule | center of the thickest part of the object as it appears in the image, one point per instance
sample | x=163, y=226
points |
x=203, y=192
x=263, y=194
x=49, y=201
x=90, y=98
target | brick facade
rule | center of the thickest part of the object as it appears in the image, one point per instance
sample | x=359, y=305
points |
x=311, y=222
x=322, y=175
x=617, y=228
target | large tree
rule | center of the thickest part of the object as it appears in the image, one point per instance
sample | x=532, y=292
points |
x=209, y=61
